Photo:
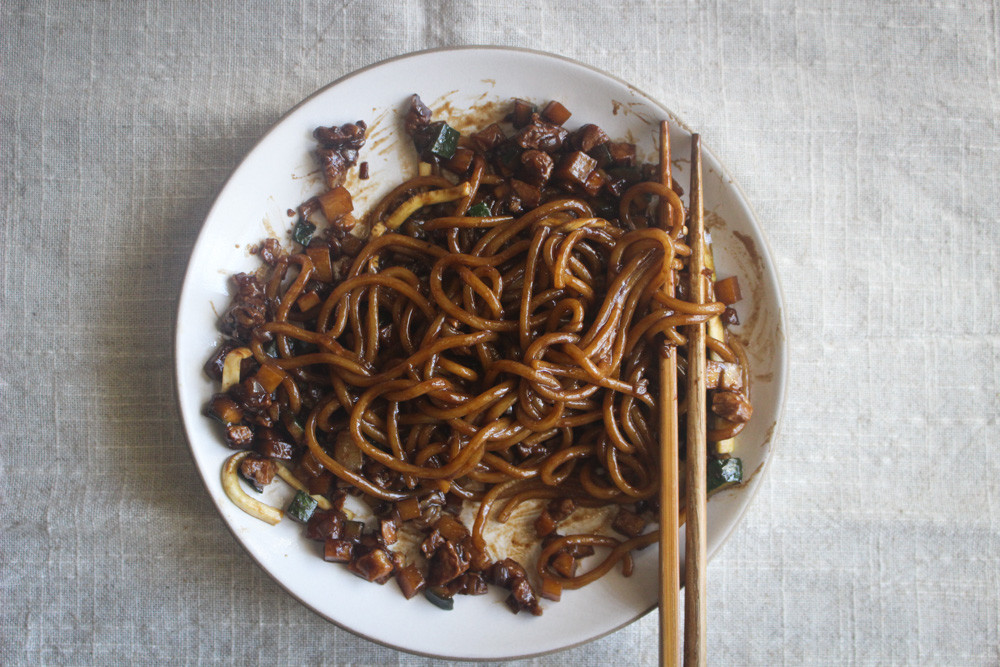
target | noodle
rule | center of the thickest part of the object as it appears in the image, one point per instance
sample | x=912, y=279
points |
x=476, y=349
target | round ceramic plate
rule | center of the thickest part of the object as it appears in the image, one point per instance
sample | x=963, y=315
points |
x=280, y=172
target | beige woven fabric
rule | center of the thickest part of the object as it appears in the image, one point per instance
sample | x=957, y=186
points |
x=866, y=136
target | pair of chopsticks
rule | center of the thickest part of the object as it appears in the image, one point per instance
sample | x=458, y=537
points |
x=695, y=543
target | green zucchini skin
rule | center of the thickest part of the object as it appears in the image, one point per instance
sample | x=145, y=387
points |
x=724, y=472
x=302, y=507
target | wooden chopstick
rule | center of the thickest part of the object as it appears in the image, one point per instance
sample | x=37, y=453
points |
x=669, y=477
x=695, y=460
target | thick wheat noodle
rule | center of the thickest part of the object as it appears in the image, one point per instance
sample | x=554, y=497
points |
x=619, y=550
x=495, y=357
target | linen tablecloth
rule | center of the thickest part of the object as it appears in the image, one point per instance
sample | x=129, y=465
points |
x=865, y=135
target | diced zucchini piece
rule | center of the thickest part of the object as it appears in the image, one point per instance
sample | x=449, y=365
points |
x=302, y=506
x=438, y=599
x=303, y=231
x=480, y=210
x=724, y=472
x=443, y=140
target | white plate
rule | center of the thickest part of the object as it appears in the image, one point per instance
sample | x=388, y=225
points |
x=279, y=173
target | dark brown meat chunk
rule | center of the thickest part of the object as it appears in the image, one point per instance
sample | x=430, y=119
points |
x=348, y=135
x=325, y=525
x=536, y=167
x=213, y=367
x=257, y=471
x=251, y=396
x=270, y=251
x=522, y=598
x=489, y=137
x=338, y=551
x=545, y=524
x=431, y=543
x=473, y=584
x=505, y=572
x=560, y=508
x=248, y=309
x=574, y=169
x=589, y=137
x=542, y=136
x=418, y=116
x=270, y=443
x=447, y=563
x=334, y=166
x=509, y=574
x=338, y=150
x=388, y=530
x=376, y=565
x=732, y=406
x=628, y=523
x=530, y=195
x=240, y=436
x=622, y=153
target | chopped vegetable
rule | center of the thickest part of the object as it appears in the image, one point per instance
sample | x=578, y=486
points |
x=410, y=581
x=336, y=203
x=480, y=210
x=408, y=509
x=522, y=112
x=322, y=264
x=303, y=231
x=307, y=301
x=556, y=113
x=724, y=472
x=727, y=290
x=302, y=506
x=438, y=596
x=231, y=367
x=294, y=482
x=225, y=409
x=270, y=376
x=352, y=530
x=460, y=161
x=551, y=589
x=442, y=139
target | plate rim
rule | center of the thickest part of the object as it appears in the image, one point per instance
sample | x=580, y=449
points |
x=781, y=378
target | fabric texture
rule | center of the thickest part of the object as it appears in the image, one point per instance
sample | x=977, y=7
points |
x=864, y=134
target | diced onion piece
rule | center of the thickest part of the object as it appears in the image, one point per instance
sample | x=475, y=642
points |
x=269, y=377
x=424, y=169
x=408, y=508
x=231, y=485
x=727, y=290
x=336, y=203
x=715, y=329
x=418, y=201
x=556, y=113
x=294, y=482
x=231, y=367
x=308, y=300
x=322, y=266
x=551, y=589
